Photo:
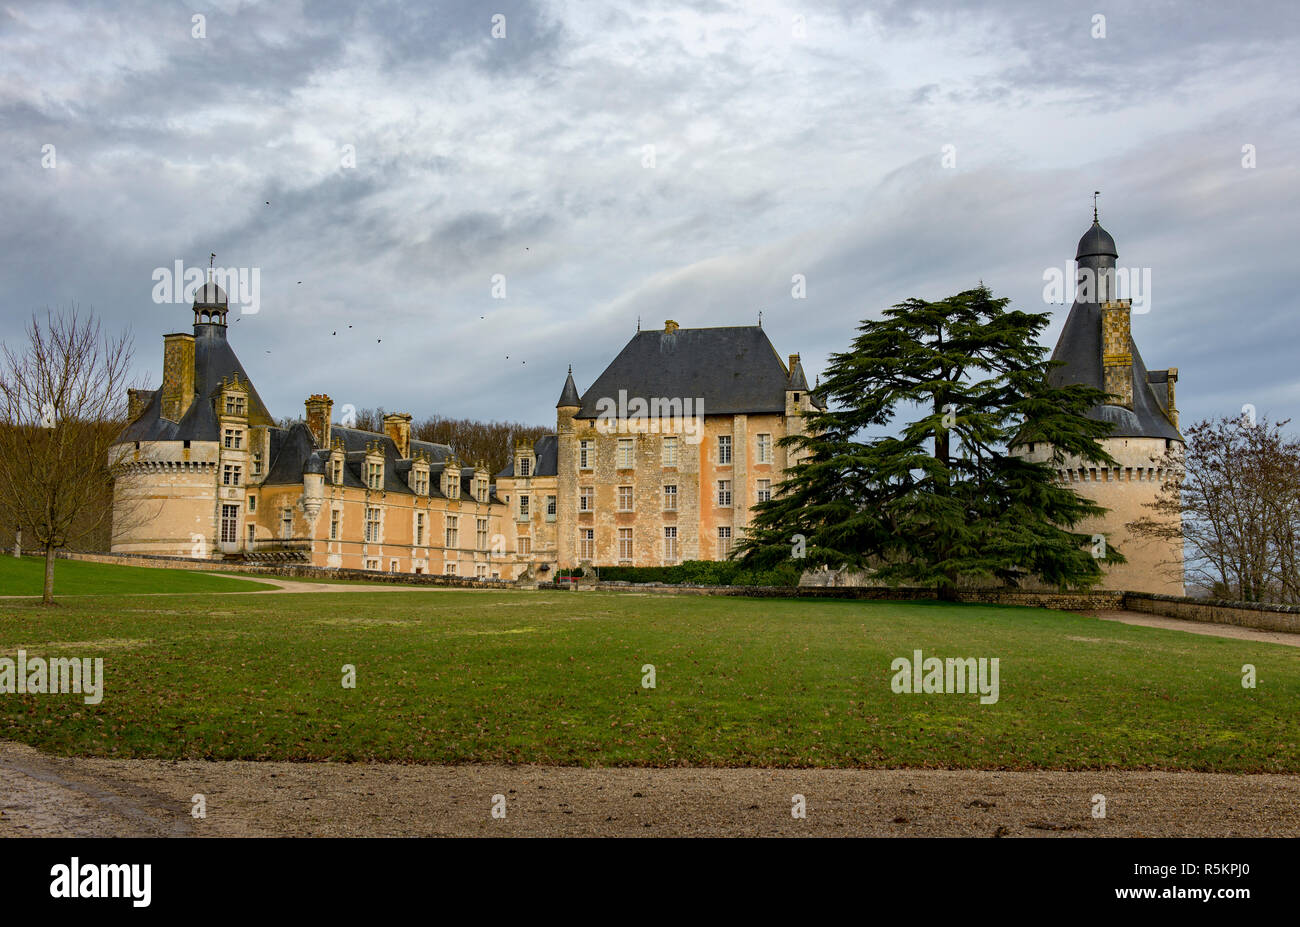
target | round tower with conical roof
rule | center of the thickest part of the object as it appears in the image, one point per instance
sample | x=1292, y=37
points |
x=1096, y=348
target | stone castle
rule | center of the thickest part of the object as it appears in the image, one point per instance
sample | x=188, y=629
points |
x=659, y=461
x=1096, y=348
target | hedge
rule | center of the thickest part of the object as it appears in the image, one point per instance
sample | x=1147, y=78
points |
x=697, y=573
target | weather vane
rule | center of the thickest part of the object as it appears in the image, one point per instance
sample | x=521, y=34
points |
x=212, y=256
x=1095, y=194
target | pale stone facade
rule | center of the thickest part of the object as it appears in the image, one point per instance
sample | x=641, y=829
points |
x=207, y=474
x=655, y=490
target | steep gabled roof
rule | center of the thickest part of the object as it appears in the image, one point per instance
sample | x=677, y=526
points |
x=214, y=360
x=735, y=370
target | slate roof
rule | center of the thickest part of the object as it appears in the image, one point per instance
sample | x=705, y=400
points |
x=1079, y=348
x=546, y=450
x=213, y=360
x=293, y=453
x=569, y=397
x=736, y=370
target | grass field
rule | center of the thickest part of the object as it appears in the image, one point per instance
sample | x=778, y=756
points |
x=555, y=677
x=26, y=576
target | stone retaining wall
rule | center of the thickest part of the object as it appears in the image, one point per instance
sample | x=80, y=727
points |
x=1214, y=611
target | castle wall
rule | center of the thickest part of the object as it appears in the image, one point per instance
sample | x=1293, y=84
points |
x=697, y=516
x=1153, y=565
x=165, y=501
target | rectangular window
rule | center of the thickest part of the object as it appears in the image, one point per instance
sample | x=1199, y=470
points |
x=523, y=506
x=480, y=571
x=421, y=479
x=453, y=530
x=670, y=498
x=586, y=455
x=229, y=524
x=336, y=523
x=230, y=475
x=724, y=542
x=372, y=524
x=626, y=453
x=724, y=449
x=586, y=544
x=252, y=534
x=525, y=545
x=765, y=449
x=625, y=544
x=764, y=490
x=670, y=452
x=257, y=463
x=481, y=533
x=419, y=529
x=586, y=499
x=372, y=563
x=286, y=522
x=337, y=477
x=392, y=565
x=449, y=569
x=550, y=506
x=525, y=466
x=233, y=438
x=252, y=504
x=724, y=492
x=234, y=405
x=670, y=544
x=625, y=498
x=374, y=475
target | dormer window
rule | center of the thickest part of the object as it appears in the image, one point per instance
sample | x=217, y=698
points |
x=420, y=480
x=234, y=405
x=234, y=438
x=525, y=466
x=796, y=398
x=451, y=484
x=374, y=474
x=257, y=463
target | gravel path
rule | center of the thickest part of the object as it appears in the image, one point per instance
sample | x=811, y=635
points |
x=1198, y=627
x=42, y=795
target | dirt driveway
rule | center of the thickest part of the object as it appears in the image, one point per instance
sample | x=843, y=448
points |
x=42, y=795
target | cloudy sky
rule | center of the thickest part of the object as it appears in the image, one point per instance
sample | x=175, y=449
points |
x=381, y=165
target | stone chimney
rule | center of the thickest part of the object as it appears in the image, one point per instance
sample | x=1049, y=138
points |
x=397, y=425
x=1170, y=404
x=794, y=362
x=1116, y=356
x=136, y=400
x=319, y=409
x=670, y=326
x=178, y=375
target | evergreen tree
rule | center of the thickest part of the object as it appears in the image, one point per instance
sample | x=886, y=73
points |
x=940, y=499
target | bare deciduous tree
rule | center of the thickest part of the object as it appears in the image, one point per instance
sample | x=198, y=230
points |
x=62, y=405
x=1240, y=509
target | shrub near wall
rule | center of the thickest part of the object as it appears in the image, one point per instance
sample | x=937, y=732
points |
x=701, y=573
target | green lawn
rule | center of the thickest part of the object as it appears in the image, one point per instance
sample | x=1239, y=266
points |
x=78, y=577
x=454, y=676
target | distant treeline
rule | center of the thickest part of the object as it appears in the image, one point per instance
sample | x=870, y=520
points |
x=470, y=440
